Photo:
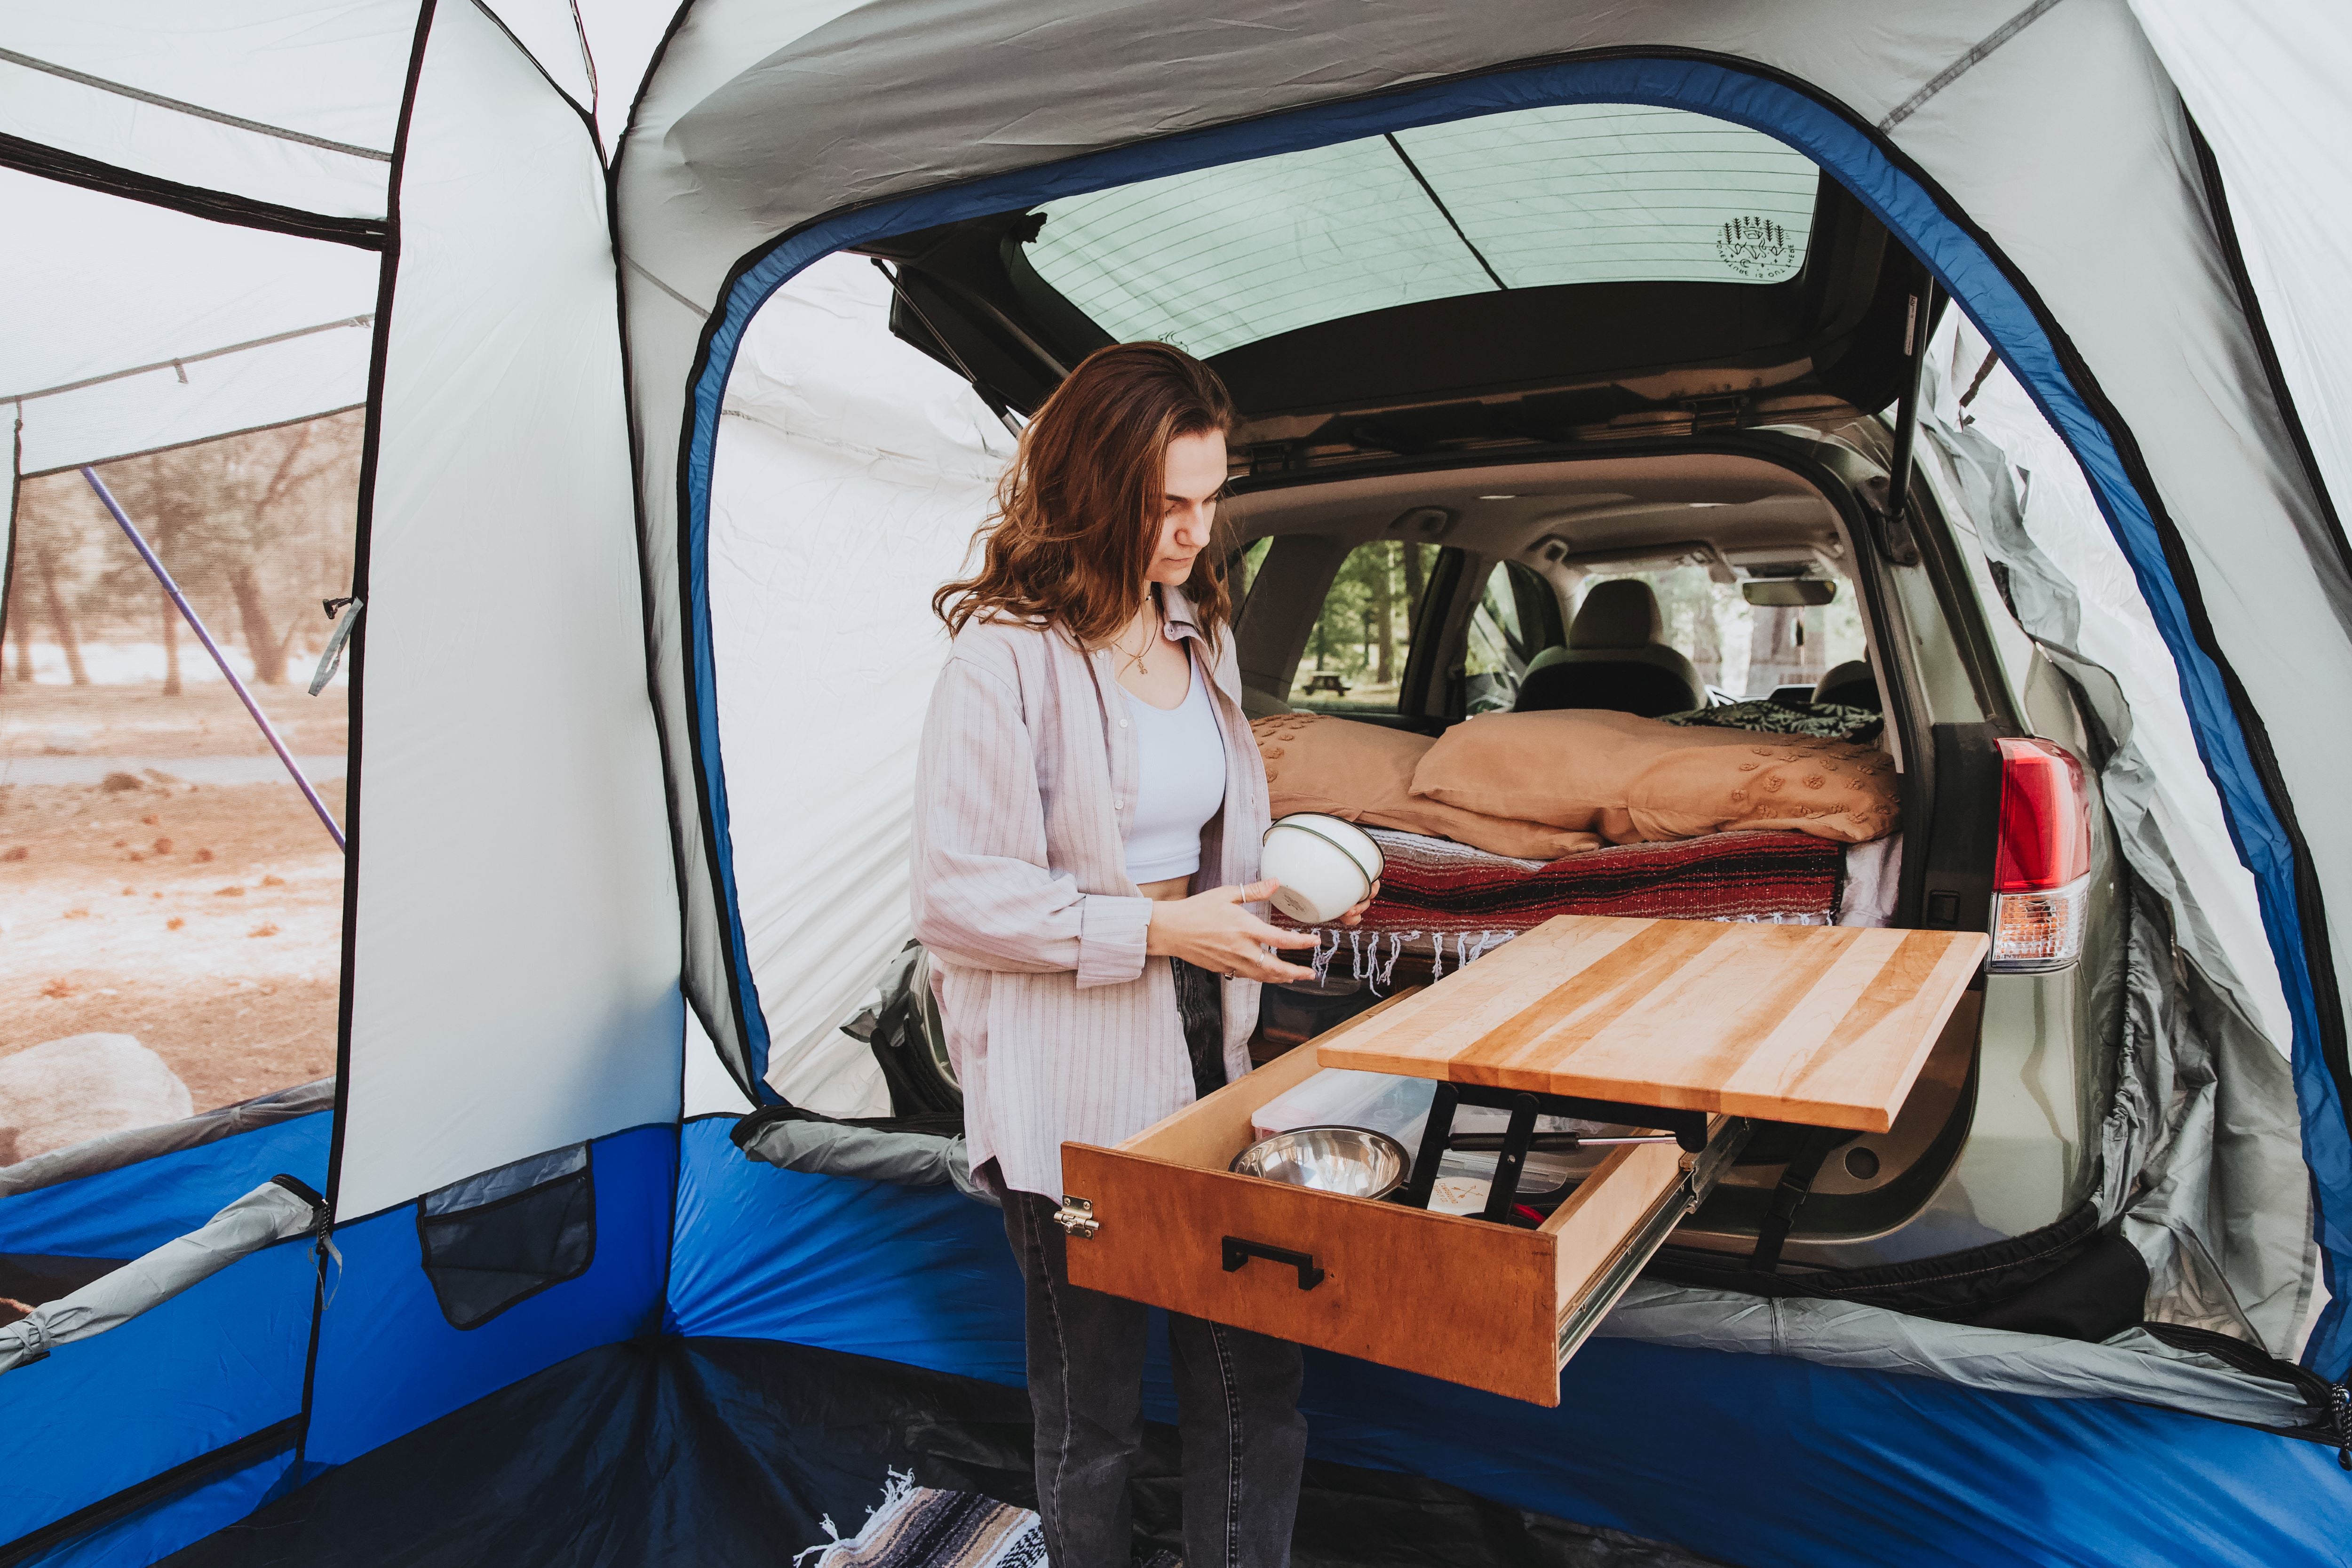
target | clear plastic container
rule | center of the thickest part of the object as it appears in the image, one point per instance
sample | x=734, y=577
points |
x=1342, y=1097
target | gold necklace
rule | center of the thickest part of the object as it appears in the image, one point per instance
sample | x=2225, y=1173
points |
x=1134, y=660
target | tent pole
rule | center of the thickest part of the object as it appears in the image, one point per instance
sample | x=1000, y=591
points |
x=938, y=337
x=155, y=564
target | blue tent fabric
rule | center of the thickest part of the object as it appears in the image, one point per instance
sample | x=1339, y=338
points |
x=920, y=1276
x=1800, y=1464
x=217, y=1363
x=388, y=1360
x=732, y=1451
x=139, y=1207
x=157, y=1531
x=1897, y=196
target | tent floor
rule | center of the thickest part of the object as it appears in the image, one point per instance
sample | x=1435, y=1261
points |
x=718, y=1451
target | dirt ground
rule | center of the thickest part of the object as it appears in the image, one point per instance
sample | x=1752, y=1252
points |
x=204, y=721
x=206, y=919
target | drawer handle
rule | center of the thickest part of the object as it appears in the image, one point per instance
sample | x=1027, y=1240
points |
x=1239, y=1252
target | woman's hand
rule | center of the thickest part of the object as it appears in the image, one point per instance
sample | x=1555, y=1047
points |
x=1355, y=915
x=1213, y=930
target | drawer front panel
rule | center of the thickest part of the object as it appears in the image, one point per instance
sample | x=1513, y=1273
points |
x=1457, y=1298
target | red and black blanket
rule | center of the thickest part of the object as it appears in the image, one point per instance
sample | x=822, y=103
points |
x=1434, y=885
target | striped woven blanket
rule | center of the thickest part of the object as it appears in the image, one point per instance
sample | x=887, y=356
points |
x=1447, y=902
x=922, y=1527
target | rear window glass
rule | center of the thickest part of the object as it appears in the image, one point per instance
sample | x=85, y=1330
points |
x=1578, y=194
x=1740, y=650
x=1363, y=635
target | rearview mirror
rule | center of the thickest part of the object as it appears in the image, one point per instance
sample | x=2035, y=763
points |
x=1788, y=593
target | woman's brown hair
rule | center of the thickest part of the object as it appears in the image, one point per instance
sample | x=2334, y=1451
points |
x=1078, y=514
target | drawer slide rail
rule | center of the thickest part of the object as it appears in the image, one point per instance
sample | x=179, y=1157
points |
x=1576, y=1324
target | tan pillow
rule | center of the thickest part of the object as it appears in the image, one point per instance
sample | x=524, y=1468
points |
x=1827, y=788
x=1571, y=767
x=1363, y=773
x=1589, y=770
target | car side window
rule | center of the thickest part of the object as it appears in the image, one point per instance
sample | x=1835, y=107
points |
x=1363, y=635
x=1516, y=617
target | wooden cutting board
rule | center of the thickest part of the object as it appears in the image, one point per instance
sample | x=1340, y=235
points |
x=1822, y=1025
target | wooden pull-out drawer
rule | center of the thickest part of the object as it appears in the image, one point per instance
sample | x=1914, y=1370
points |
x=1493, y=1305
x=1824, y=1027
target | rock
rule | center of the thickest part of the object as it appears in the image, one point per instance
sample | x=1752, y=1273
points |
x=84, y=1086
x=117, y=783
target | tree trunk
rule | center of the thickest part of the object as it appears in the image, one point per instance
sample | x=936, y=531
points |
x=1707, y=642
x=1812, y=661
x=61, y=625
x=20, y=626
x=268, y=655
x=171, y=642
x=1384, y=608
x=1772, y=651
x=1412, y=589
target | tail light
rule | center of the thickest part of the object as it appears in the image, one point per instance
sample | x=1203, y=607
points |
x=2041, y=871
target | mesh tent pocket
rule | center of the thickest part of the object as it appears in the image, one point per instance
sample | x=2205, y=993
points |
x=501, y=1236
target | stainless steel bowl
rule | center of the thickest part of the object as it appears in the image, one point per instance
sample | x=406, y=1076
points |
x=1349, y=1160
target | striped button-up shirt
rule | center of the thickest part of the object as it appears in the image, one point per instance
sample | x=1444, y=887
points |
x=1059, y=1027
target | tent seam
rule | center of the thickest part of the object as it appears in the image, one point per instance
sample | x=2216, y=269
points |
x=1966, y=63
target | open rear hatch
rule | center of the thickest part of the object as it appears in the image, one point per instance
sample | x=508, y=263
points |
x=1540, y=277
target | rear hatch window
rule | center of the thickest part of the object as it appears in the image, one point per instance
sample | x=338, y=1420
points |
x=1550, y=275
x=1539, y=198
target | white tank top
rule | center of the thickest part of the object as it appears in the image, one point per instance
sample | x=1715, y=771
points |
x=1179, y=769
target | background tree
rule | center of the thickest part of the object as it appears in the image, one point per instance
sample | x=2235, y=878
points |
x=256, y=529
x=57, y=568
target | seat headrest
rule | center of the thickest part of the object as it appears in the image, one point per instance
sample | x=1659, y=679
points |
x=1850, y=682
x=1622, y=613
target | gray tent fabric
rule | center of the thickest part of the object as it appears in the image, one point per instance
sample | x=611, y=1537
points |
x=270, y=1213
x=2201, y=1149
x=116, y=1150
x=832, y=1149
x=2133, y=1366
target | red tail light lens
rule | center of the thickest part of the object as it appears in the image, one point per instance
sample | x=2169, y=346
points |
x=2045, y=819
x=2041, y=871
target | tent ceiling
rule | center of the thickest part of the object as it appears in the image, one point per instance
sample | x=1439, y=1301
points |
x=124, y=285
x=280, y=102
x=551, y=33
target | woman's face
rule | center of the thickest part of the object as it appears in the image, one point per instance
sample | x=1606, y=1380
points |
x=1194, y=473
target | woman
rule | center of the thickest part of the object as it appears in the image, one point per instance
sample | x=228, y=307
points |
x=1084, y=763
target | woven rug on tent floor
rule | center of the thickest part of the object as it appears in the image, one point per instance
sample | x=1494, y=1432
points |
x=922, y=1527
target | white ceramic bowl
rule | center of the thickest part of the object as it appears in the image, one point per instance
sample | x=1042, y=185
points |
x=1326, y=867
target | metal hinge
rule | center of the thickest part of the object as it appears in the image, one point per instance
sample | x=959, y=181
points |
x=1719, y=412
x=1076, y=1215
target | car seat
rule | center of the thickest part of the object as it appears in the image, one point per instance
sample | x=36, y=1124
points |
x=1613, y=659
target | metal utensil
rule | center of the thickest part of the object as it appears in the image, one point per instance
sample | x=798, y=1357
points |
x=1350, y=1160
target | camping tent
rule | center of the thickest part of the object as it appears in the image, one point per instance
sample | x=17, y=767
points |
x=554, y=1315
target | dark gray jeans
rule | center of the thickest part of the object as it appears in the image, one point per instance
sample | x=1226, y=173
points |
x=1244, y=1442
